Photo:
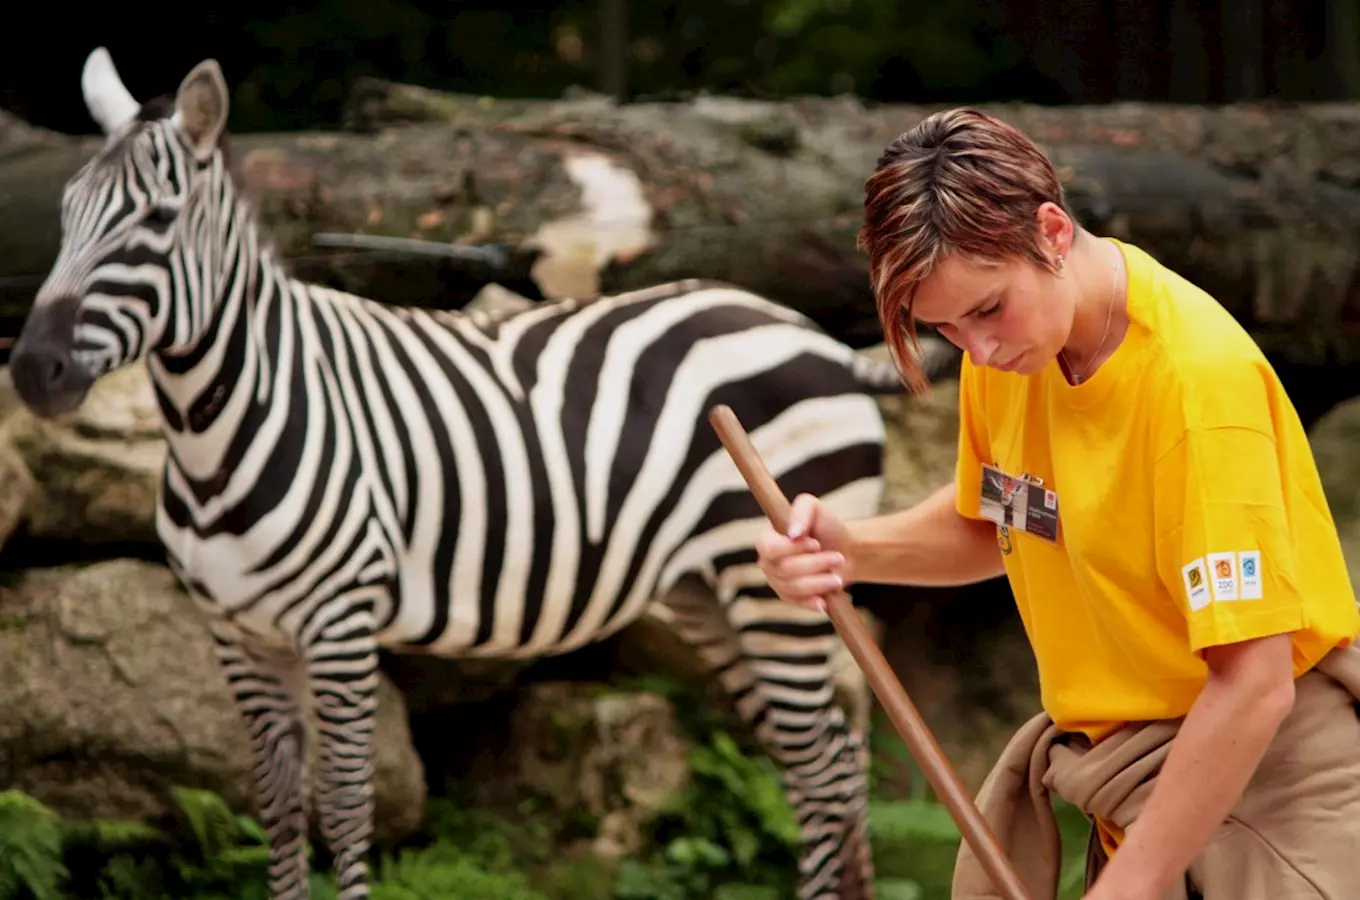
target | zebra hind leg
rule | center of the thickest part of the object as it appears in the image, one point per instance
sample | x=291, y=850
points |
x=774, y=660
x=823, y=757
x=267, y=688
x=342, y=671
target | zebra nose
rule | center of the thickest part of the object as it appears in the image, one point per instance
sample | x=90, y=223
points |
x=45, y=374
x=38, y=368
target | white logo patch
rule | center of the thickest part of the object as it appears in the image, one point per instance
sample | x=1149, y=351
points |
x=1249, y=567
x=1223, y=575
x=1196, y=584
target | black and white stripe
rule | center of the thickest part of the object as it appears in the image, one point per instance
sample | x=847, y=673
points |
x=344, y=475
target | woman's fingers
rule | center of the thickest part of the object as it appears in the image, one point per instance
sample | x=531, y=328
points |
x=773, y=546
x=808, y=586
x=802, y=516
x=796, y=565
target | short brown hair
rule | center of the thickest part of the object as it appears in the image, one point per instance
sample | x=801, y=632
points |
x=960, y=181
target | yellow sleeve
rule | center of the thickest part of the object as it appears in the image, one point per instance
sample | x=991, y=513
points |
x=972, y=444
x=1223, y=547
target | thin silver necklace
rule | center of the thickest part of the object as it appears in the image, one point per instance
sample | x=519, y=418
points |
x=1109, y=317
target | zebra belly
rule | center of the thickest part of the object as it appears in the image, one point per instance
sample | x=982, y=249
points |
x=424, y=622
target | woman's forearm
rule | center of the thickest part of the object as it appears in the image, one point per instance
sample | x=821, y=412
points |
x=1215, y=753
x=929, y=544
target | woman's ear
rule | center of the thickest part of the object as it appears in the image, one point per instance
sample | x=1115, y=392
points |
x=1056, y=230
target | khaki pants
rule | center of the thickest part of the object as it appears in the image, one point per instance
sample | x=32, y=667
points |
x=1295, y=833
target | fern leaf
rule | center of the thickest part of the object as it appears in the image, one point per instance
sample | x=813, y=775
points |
x=30, y=849
x=901, y=820
x=211, y=819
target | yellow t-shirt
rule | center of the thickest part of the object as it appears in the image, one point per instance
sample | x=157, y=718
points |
x=1190, y=512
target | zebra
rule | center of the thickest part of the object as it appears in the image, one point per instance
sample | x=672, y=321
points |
x=344, y=475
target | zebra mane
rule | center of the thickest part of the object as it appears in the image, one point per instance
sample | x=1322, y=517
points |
x=162, y=108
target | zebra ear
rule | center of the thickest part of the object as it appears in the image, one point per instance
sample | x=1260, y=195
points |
x=109, y=102
x=201, y=107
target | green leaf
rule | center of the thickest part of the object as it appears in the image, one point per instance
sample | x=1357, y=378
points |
x=30, y=849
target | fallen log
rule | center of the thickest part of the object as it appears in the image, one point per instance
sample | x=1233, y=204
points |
x=1259, y=204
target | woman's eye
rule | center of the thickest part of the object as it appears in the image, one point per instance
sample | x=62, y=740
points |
x=991, y=310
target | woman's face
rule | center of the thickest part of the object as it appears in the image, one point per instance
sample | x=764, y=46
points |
x=1012, y=315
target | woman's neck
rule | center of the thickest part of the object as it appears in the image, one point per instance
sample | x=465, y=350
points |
x=1100, y=318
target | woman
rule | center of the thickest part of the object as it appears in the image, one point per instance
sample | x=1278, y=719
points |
x=1173, y=557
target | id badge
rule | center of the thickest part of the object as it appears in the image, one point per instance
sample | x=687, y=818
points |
x=1019, y=502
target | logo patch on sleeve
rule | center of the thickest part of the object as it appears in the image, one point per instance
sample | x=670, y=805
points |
x=1223, y=575
x=1249, y=565
x=1196, y=584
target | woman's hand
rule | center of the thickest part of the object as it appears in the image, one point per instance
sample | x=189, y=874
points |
x=809, y=562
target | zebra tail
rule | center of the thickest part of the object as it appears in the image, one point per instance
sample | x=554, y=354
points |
x=877, y=374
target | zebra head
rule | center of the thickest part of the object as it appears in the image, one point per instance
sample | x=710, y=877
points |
x=136, y=271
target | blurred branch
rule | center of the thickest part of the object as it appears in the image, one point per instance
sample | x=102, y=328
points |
x=493, y=256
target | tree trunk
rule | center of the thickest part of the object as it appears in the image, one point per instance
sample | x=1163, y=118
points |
x=1257, y=204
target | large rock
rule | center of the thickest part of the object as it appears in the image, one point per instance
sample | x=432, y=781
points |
x=112, y=696
x=17, y=489
x=587, y=754
x=95, y=471
x=16, y=483
x=9, y=400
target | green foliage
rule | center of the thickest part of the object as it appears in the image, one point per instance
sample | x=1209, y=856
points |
x=30, y=849
x=900, y=821
x=729, y=836
x=742, y=799
x=445, y=869
x=229, y=855
x=207, y=853
x=915, y=838
x=212, y=853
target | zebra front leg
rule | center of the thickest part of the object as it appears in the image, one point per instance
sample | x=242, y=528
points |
x=342, y=668
x=267, y=688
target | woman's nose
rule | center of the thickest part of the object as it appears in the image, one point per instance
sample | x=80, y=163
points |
x=981, y=347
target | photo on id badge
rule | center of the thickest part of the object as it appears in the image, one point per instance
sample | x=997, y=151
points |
x=1015, y=502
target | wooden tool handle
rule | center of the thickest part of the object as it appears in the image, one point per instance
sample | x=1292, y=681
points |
x=917, y=735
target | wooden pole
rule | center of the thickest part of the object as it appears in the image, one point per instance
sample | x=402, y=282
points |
x=917, y=735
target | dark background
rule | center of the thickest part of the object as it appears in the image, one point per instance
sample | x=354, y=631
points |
x=290, y=66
